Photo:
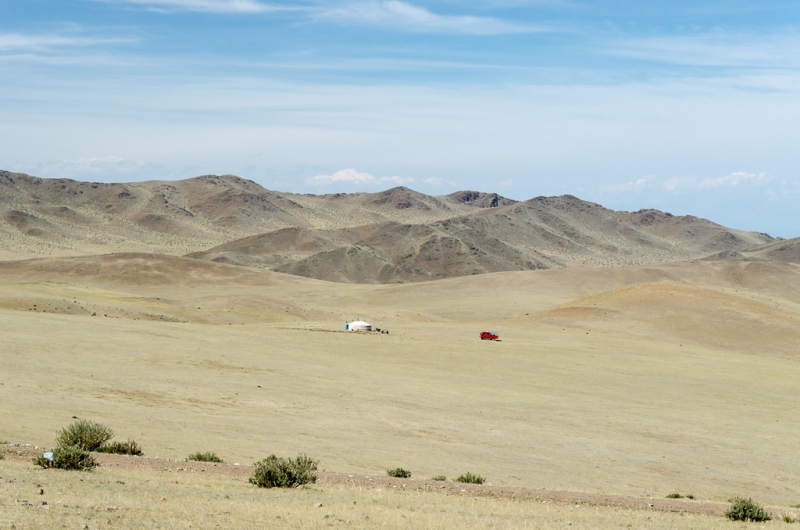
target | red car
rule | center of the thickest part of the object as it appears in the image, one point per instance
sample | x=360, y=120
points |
x=488, y=335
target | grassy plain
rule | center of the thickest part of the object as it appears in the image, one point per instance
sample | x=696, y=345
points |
x=133, y=499
x=642, y=381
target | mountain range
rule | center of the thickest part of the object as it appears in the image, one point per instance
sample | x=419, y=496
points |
x=397, y=235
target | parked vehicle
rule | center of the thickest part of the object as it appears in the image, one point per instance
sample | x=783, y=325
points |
x=488, y=335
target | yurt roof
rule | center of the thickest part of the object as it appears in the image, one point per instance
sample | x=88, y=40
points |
x=359, y=323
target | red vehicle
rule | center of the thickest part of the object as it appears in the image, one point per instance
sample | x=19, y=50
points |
x=488, y=335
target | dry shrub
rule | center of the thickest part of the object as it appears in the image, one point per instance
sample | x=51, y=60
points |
x=70, y=457
x=204, y=457
x=87, y=435
x=274, y=472
x=121, y=448
x=747, y=510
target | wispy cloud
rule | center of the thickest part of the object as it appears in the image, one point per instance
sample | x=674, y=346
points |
x=43, y=42
x=207, y=6
x=735, y=179
x=625, y=187
x=719, y=48
x=351, y=176
x=408, y=17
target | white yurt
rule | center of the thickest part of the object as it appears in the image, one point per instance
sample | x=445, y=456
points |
x=360, y=325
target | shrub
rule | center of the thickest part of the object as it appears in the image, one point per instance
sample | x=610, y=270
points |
x=70, y=457
x=274, y=472
x=789, y=518
x=674, y=496
x=85, y=434
x=690, y=496
x=469, y=478
x=121, y=448
x=398, y=473
x=747, y=510
x=439, y=478
x=204, y=457
x=2, y=456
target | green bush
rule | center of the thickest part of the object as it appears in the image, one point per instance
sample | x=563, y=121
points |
x=690, y=496
x=747, y=510
x=274, y=472
x=439, y=478
x=121, y=448
x=70, y=457
x=674, y=496
x=469, y=478
x=398, y=473
x=85, y=434
x=204, y=457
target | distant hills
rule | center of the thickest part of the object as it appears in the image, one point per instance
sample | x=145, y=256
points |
x=398, y=235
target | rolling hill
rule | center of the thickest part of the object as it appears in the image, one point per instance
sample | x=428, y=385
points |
x=394, y=236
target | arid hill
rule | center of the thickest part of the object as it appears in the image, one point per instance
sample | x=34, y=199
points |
x=41, y=217
x=542, y=233
x=397, y=235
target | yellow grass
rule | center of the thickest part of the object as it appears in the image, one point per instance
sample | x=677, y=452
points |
x=586, y=392
x=122, y=499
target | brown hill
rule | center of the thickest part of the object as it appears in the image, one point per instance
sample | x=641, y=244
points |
x=397, y=235
x=63, y=216
x=542, y=233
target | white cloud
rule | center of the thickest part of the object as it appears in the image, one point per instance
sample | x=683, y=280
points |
x=402, y=15
x=208, y=6
x=624, y=187
x=732, y=180
x=351, y=176
x=22, y=42
x=433, y=181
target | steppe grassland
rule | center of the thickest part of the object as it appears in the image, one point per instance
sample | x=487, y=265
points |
x=601, y=405
x=134, y=499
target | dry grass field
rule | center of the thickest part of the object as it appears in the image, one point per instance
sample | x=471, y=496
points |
x=636, y=381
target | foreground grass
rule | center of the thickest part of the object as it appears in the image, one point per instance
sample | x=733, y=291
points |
x=128, y=499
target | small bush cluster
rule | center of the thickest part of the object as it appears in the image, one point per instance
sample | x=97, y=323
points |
x=398, y=473
x=679, y=496
x=87, y=435
x=747, y=510
x=70, y=457
x=75, y=442
x=274, y=472
x=789, y=518
x=121, y=448
x=469, y=478
x=439, y=478
x=204, y=457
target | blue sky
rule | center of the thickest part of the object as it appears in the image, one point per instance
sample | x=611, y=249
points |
x=689, y=107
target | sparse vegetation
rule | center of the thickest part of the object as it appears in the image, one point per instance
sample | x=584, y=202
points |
x=398, y=473
x=747, y=510
x=204, y=457
x=70, y=457
x=121, y=448
x=789, y=518
x=674, y=496
x=469, y=478
x=87, y=435
x=439, y=478
x=690, y=496
x=274, y=472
